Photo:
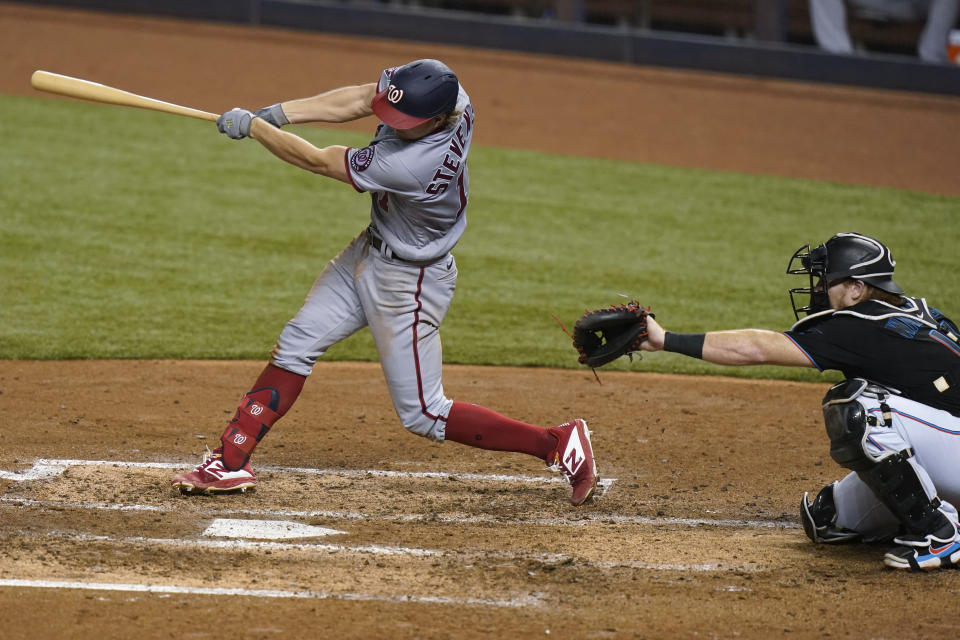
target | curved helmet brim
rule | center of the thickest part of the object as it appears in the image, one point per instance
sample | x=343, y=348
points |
x=391, y=116
x=884, y=283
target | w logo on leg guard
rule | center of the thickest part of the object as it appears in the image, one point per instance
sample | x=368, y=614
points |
x=254, y=417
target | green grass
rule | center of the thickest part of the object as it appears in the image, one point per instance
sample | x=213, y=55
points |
x=131, y=234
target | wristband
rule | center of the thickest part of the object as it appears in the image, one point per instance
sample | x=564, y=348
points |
x=689, y=344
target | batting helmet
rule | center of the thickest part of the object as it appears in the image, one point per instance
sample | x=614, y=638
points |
x=842, y=257
x=418, y=91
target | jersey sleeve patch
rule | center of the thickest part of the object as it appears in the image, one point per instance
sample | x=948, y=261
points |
x=362, y=159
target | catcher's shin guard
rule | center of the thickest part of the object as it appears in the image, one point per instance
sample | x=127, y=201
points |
x=897, y=484
x=893, y=477
x=255, y=415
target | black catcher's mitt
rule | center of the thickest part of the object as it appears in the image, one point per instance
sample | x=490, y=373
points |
x=603, y=335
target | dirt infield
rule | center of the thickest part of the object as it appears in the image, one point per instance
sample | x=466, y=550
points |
x=696, y=534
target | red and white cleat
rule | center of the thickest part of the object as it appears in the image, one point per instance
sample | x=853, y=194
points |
x=210, y=476
x=574, y=458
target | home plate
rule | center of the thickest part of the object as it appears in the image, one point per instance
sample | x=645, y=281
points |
x=265, y=529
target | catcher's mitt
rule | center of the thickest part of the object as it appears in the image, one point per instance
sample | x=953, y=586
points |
x=603, y=335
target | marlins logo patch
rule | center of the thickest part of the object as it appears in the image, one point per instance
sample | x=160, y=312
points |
x=361, y=160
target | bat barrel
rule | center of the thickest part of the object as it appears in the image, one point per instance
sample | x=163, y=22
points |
x=96, y=92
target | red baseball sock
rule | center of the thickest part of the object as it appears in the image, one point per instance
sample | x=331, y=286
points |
x=476, y=426
x=288, y=385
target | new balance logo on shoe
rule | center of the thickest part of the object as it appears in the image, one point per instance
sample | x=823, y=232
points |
x=216, y=469
x=573, y=457
x=211, y=476
x=576, y=462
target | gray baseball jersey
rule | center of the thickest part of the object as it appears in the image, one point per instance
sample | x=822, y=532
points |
x=398, y=277
x=420, y=188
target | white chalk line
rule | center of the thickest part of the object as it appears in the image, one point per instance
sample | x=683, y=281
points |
x=46, y=468
x=550, y=559
x=580, y=520
x=248, y=545
x=527, y=601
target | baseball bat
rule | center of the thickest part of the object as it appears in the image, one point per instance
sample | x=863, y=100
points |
x=79, y=88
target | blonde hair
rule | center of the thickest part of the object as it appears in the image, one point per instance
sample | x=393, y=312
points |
x=449, y=120
x=874, y=293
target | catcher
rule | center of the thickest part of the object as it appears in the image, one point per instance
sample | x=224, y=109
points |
x=894, y=422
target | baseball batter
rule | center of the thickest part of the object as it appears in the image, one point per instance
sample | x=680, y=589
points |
x=894, y=422
x=397, y=277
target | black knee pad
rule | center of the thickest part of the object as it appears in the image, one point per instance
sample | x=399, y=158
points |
x=846, y=422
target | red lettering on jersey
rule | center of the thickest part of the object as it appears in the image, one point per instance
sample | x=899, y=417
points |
x=440, y=175
x=456, y=148
x=463, y=196
x=458, y=144
x=451, y=164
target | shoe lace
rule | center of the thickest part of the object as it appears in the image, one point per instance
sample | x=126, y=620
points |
x=556, y=467
x=208, y=456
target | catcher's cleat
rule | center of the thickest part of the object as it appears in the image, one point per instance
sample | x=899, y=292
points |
x=924, y=553
x=819, y=519
x=574, y=458
x=210, y=476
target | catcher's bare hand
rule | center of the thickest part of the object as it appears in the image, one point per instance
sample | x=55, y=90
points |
x=655, y=335
x=603, y=335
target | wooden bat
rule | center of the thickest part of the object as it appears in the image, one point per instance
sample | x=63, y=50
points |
x=78, y=88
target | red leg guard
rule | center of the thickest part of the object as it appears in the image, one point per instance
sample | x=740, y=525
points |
x=254, y=417
x=273, y=394
x=476, y=426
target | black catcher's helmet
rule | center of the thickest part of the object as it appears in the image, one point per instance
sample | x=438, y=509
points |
x=842, y=257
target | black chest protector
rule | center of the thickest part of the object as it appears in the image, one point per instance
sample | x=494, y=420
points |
x=914, y=320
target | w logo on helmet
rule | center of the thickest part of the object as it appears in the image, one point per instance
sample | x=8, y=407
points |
x=394, y=94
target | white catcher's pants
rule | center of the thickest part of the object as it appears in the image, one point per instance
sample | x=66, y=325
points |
x=934, y=436
x=402, y=304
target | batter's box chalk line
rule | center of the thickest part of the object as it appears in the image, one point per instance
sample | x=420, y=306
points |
x=471, y=556
x=43, y=469
x=168, y=590
x=582, y=520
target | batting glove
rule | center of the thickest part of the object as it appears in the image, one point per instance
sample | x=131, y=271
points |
x=235, y=123
x=273, y=114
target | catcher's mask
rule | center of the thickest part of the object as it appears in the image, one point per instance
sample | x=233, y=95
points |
x=845, y=256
